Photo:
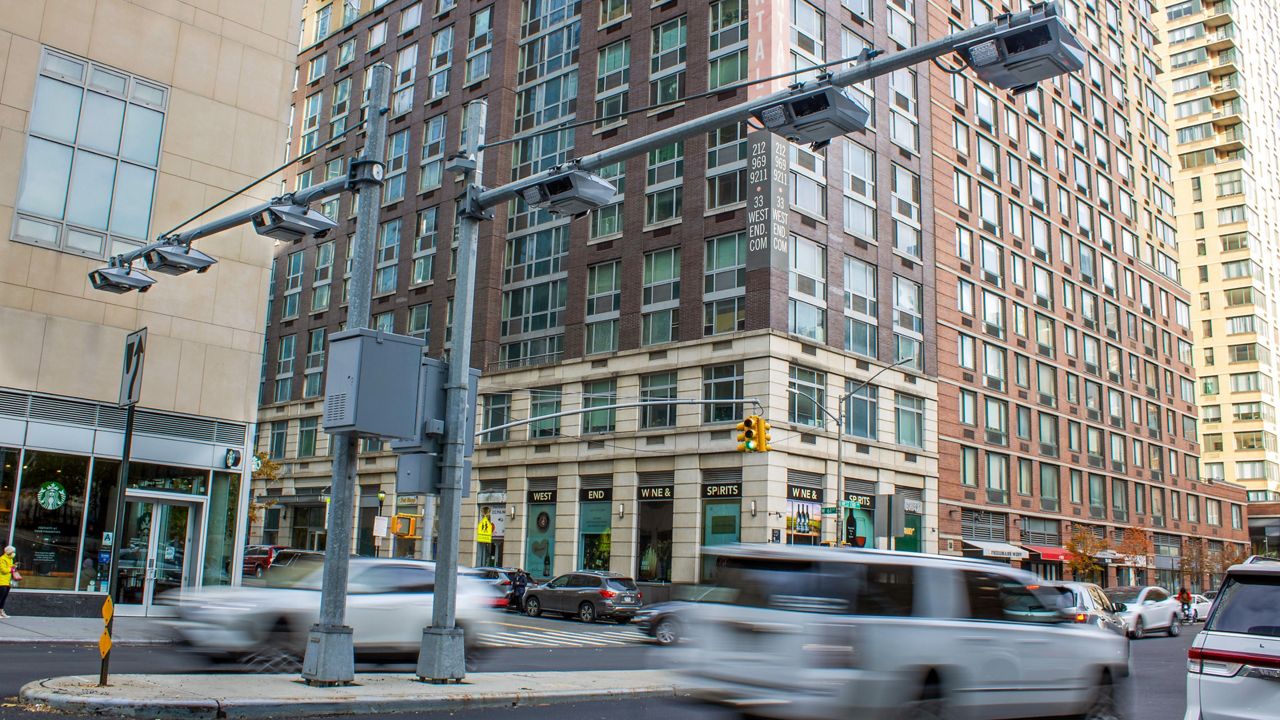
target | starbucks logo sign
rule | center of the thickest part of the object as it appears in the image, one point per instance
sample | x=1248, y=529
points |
x=51, y=495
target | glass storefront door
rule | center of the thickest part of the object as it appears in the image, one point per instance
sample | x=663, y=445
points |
x=159, y=537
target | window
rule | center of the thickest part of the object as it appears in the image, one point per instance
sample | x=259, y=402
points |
x=307, y=428
x=808, y=289
x=908, y=321
x=1049, y=484
x=406, y=73
x=387, y=258
x=544, y=401
x=903, y=129
x=612, y=11
x=808, y=37
x=479, y=43
x=377, y=36
x=420, y=322
x=809, y=180
x=397, y=163
x=968, y=407
x=284, y=368
x=597, y=393
x=323, y=20
x=727, y=52
x=909, y=420
x=292, y=286
x=660, y=309
x=862, y=409
x=424, y=246
x=613, y=71
x=997, y=478
x=667, y=61
x=441, y=62
x=314, y=371
x=968, y=466
x=859, y=191
x=726, y=166
x=604, y=298
x=607, y=220
x=338, y=108
x=657, y=386
x=860, y=307
x=725, y=284
x=432, y=165
x=317, y=67
x=906, y=212
x=278, y=439
x=92, y=154
x=722, y=383
x=808, y=397
x=664, y=184
x=497, y=411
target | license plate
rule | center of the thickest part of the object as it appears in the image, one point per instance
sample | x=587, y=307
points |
x=628, y=598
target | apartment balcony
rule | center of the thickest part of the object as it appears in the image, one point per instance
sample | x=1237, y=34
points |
x=1229, y=88
x=1218, y=14
x=1225, y=63
x=1234, y=139
x=1223, y=39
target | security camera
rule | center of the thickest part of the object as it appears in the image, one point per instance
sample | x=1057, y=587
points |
x=120, y=280
x=177, y=259
x=291, y=223
x=814, y=115
x=1019, y=56
x=571, y=192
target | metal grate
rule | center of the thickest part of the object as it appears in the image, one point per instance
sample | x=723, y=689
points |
x=909, y=493
x=14, y=404
x=543, y=484
x=722, y=475
x=859, y=487
x=655, y=479
x=111, y=417
x=805, y=478
x=230, y=433
x=64, y=411
x=175, y=426
x=980, y=525
x=597, y=482
x=493, y=486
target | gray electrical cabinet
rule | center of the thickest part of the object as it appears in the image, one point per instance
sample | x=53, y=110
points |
x=370, y=383
x=419, y=456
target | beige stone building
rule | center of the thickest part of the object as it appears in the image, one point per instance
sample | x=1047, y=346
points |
x=119, y=119
x=1223, y=99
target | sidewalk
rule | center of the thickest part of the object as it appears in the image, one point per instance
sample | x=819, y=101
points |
x=82, y=631
x=266, y=696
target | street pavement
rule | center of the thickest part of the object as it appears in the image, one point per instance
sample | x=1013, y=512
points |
x=511, y=630
x=1158, y=685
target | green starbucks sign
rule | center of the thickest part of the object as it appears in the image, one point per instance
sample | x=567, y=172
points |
x=51, y=495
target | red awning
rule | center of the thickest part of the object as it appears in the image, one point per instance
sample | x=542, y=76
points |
x=1049, y=554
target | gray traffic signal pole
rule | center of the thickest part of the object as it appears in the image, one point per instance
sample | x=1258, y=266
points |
x=330, y=653
x=443, y=654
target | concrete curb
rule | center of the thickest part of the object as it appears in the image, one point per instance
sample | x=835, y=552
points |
x=157, y=642
x=342, y=701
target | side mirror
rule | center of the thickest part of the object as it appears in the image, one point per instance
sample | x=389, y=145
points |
x=1119, y=607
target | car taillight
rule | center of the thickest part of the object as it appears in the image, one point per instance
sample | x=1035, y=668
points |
x=607, y=593
x=639, y=596
x=500, y=602
x=1224, y=663
x=505, y=582
x=1081, y=617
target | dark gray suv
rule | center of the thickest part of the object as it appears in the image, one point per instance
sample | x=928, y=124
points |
x=587, y=594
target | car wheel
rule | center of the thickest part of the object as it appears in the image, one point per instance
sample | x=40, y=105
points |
x=667, y=632
x=1138, y=629
x=587, y=612
x=930, y=704
x=258, y=572
x=532, y=607
x=1175, y=626
x=1104, y=705
x=278, y=652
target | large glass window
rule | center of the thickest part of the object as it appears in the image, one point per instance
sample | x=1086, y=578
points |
x=807, y=314
x=655, y=536
x=92, y=154
x=667, y=61
x=808, y=396
x=722, y=383
x=604, y=298
x=654, y=387
x=599, y=393
x=660, y=309
x=725, y=284
x=909, y=420
x=47, y=523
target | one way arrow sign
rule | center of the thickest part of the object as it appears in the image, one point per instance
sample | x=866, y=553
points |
x=135, y=349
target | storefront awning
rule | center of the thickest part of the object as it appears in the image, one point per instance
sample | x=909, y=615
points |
x=1049, y=554
x=998, y=549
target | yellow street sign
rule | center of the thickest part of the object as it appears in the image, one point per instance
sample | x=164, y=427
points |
x=104, y=643
x=484, y=531
x=107, y=610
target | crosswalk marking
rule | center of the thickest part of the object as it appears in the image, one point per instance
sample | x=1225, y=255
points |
x=547, y=637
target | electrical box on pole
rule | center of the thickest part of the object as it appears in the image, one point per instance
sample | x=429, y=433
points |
x=420, y=454
x=364, y=388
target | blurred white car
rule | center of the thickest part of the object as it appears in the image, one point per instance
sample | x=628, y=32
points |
x=1200, y=608
x=832, y=634
x=1147, y=608
x=1234, y=663
x=388, y=604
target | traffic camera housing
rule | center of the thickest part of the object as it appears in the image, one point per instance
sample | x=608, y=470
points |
x=814, y=115
x=177, y=259
x=571, y=192
x=290, y=223
x=1018, y=57
x=120, y=280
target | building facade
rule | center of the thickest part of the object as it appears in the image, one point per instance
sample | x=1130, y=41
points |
x=1066, y=384
x=1225, y=195
x=655, y=297
x=111, y=146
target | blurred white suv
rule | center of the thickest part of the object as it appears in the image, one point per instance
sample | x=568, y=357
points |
x=832, y=634
x=1234, y=663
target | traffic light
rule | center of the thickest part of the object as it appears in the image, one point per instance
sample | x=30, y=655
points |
x=762, y=428
x=749, y=434
x=404, y=525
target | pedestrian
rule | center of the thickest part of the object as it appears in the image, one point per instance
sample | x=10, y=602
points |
x=8, y=574
x=518, y=585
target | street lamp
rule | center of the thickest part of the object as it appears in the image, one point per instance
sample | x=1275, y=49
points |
x=571, y=192
x=120, y=277
x=177, y=259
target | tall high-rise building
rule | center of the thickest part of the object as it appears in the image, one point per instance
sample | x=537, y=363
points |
x=1066, y=386
x=661, y=296
x=1223, y=98
x=119, y=120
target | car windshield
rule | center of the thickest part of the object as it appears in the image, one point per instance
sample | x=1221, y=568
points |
x=621, y=584
x=1123, y=595
x=1249, y=605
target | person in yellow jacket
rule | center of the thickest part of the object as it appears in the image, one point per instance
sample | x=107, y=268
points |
x=6, y=576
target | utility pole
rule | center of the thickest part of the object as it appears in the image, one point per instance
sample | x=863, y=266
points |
x=443, y=654
x=330, y=653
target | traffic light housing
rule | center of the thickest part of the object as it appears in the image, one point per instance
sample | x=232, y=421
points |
x=749, y=434
x=404, y=525
x=762, y=429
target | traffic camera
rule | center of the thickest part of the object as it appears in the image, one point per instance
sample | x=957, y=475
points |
x=570, y=192
x=177, y=259
x=120, y=280
x=290, y=223
x=814, y=115
x=1019, y=56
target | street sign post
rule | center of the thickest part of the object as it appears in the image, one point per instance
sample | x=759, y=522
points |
x=830, y=511
x=135, y=352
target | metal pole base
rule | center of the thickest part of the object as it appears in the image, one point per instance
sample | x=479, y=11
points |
x=443, y=657
x=330, y=658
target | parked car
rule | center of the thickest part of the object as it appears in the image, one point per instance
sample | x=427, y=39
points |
x=257, y=558
x=1147, y=608
x=1091, y=605
x=1211, y=595
x=832, y=634
x=1234, y=663
x=388, y=604
x=1200, y=608
x=587, y=594
x=499, y=577
x=664, y=622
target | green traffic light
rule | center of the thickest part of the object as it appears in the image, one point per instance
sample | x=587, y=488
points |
x=750, y=445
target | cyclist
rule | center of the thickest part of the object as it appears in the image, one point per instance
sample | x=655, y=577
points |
x=1184, y=597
